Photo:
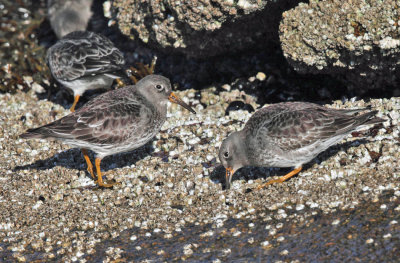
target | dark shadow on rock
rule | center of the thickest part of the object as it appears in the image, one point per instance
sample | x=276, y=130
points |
x=247, y=173
x=218, y=174
x=73, y=159
x=282, y=82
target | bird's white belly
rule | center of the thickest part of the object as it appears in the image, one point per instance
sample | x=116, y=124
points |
x=79, y=86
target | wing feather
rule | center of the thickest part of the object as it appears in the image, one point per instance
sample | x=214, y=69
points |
x=107, y=119
x=82, y=54
x=293, y=127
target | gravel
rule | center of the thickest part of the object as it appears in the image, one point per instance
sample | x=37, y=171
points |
x=170, y=203
x=51, y=207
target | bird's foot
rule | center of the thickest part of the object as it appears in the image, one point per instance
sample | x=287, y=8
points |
x=281, y=179
x=100, y=183
x=269, y=182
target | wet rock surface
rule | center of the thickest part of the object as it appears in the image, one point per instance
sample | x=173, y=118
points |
x=355, y=40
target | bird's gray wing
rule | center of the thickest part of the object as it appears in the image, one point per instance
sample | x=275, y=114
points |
x=81, y=54
x=103, y=122
x=291, y=130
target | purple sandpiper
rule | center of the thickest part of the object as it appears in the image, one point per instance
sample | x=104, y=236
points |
x=117, y=121
x=67, y=16
x=84, y=60
x=289, y=134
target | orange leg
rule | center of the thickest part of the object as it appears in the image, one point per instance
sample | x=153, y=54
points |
x=120, y=83
x=89, y=163
x=76, y=99
x=281, y=179
x=99, y=177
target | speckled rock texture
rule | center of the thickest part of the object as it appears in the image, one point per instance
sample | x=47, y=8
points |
x=201, y=28
x=52, y=210
x=358, y=41
x=170, y=204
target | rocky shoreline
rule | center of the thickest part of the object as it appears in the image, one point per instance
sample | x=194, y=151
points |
x=170, y=203
x=50, y=204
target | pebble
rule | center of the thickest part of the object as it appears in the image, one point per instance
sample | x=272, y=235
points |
x=38, y=88
x=265, y=243
x=261, y=76
x=299, y=207
x=369, y=241
x=237, y=233
x=387, y=236
x=280, y=239
x=187, y=249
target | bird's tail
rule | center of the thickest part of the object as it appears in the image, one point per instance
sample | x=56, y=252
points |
x=353, y=111
x=369, y=118
x=36, y=133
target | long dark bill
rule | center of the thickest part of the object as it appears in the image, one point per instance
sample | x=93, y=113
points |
x=173, y=98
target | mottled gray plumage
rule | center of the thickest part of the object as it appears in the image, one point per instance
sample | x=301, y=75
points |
x=84, y=60
x=289, y=135
x=67, y=16
x=116, y=121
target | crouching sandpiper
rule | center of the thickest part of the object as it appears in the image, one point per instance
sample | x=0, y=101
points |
x=289, y=135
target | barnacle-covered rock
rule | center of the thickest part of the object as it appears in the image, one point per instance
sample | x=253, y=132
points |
x=354, y=39
x=201, y=28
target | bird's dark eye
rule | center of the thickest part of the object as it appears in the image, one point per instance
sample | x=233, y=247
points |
x=159, y=87
x=226, y=154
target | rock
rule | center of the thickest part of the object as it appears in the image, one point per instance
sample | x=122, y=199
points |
x=201, y=28
x=68, y=16
x=261, y=76
x=354, y=40
x=238, y=105
x=38, y=88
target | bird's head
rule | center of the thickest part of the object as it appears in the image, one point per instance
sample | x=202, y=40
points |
x=232, y=155
x=158, y=89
